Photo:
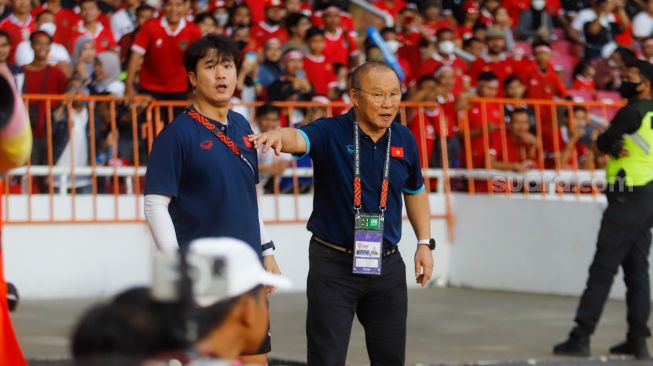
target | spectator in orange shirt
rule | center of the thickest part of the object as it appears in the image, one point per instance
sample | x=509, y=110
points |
x=584, y=74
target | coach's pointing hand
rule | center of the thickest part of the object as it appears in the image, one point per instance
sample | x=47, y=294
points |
x=271, y=139
x=288, y=140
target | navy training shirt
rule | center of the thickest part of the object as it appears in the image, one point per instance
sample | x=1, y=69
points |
x=213, y=191
x=330, y=143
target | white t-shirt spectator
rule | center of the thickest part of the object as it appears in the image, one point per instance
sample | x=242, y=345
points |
x=642, y=25
x=25, y=54
x=79, y=150
x=122, y=22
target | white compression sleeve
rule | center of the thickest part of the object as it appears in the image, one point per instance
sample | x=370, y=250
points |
x=265, y=237
x=160, y=222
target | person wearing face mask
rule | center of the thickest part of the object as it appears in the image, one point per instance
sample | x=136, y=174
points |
x=58, y=53
x=444, y=56
x=624, y=238
x=535, y=22
x=220, y=11
x=394, y=44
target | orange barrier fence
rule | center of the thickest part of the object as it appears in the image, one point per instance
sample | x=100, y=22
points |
x=468, y=147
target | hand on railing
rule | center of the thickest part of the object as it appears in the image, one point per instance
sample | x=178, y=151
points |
x=130, y=93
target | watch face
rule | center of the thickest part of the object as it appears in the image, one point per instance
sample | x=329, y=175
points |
x=432, y=244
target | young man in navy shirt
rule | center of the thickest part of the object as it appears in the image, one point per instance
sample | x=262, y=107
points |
x=202, y=174
x=355, y=267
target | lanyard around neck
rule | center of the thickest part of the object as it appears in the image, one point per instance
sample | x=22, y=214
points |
x=357, y=172
x=221, y=136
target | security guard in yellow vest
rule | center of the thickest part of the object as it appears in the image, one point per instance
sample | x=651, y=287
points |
x=625, y=235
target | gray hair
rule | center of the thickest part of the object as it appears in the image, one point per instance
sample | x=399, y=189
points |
x=360, y=71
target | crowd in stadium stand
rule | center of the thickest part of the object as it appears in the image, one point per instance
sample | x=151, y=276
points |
x=299, y=50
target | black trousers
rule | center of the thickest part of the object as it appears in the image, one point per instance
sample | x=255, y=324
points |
x=335, y=294
x=624, y=240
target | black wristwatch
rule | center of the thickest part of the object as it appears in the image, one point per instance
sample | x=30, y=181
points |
x=266, y=246
x=431, y=243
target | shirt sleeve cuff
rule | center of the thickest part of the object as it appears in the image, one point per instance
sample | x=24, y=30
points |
x=308, y=145
x=138, y=49
x=418, y=190
x=268, y=252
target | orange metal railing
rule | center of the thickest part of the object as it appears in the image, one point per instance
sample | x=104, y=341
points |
x=40, y=193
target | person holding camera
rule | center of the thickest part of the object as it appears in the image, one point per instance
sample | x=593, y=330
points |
x=226, y=317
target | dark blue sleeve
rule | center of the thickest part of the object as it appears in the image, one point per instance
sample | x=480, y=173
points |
x=165, y=164
x=316, y=135
x=415, y=181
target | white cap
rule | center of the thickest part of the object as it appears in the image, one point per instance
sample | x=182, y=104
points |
x=242, y=270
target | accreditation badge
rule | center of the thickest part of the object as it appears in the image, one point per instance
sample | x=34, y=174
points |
x=368, y=244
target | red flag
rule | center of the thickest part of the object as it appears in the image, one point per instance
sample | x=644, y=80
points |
x=10, y=353
x=397, y=151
